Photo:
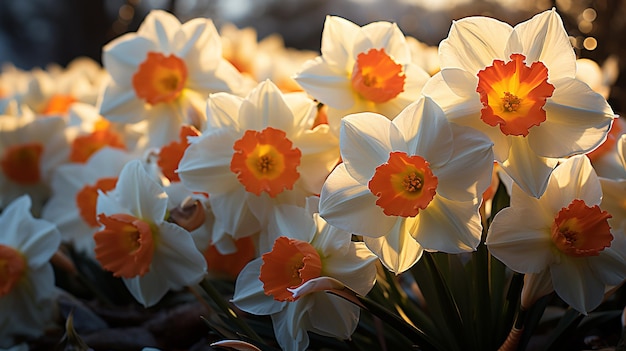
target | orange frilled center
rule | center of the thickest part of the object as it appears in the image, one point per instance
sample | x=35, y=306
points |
x=21, y=163
x=59, y=104
x=12, y=268
x=125, y=246
x=266, y=161
x=171, y=154
x=580, y=231
x=404, y=185
x=87, y=198
x=513, y=95
x=160, y=78
x=377, y=77
x=290, y=264
x=86, y=145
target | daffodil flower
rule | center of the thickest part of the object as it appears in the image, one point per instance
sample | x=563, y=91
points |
x=517, y=85
x=362, y=69
x=409, y=184
x=305, y=248
x=257, y=152
x=30, y=150
x=163, y=73
x=564, y=236
x=27, y=288
x=75, y=188
x=137, y=244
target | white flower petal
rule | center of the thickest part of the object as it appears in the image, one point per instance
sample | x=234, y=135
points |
x=350, y=206
x=176, y=257
x=575, y=282
x=467, y=174
x=574, y=179
x=333, y=316
x=122, y=57
x=201, y=46
x=139, y=193
x=222, y=111
x=162, y=26
x=448, y=226
x=517, y=239
x=426, y=131
x=233, y=215
x=291, y=325
x=35, y=238
x=338, y=42
x=382, y=35
x=543, y=38
x=265, y=107
x=326, y=83
x=249, y=295
x=473, y=43
x=205, y=166
x=397, y=250
x=529, y=171
x=366, y=139
x=577, y=121
x=120, y=104
x=355, y=268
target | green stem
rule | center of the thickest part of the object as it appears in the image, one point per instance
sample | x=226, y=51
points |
x=219, y=301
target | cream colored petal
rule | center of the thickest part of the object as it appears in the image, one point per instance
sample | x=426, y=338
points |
x=397, y=250
x=529, y=171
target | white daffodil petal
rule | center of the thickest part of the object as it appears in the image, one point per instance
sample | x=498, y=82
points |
x=366, y=139
x=162, y=26
x=384, y=35
x=291, y=325
x=397, y=250
x=576, y=284
x=120, y=104
x=249, y=295
x=222, y=108
x=337, y=41
x=577, y=121
x=205, y=166
x=350, y=206
x=529, y=171
x=177, y=257
x=473, y=43
x=543, y=38
x=123, y=55
x=148, y=289
x=264, y=107
x=355, y=269
x=448, y=226
x=576, y=179
x=140, y=194
x=333, y=316
x=426, y=131
x=200, y=35
x=512, y=241
x=326, y=83
x=233, y=214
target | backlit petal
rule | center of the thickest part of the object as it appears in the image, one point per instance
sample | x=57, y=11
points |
x=397, y=250
x=349, y=205
x=249, y=295
x=473, y=43
x=448, y=226
x=337, y=42
x=529, y=171
x=366, y=140
x=578, y=120
x=575, y=282
x=543, y=38
x=326, y=83
x=512, y=238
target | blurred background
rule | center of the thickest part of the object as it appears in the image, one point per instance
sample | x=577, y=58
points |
x=35, y=33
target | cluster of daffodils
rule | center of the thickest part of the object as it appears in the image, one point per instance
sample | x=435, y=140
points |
x=194, y=154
